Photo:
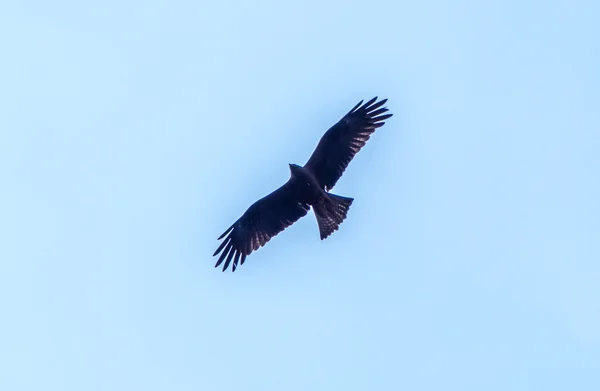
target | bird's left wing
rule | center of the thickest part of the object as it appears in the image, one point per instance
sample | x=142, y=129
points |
x=343, y=140
x=263, y=220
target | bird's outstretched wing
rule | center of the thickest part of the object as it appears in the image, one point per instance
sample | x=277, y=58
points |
x=343, y=140
x=264, y=219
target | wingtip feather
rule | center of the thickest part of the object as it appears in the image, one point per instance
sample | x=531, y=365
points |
x=356, y=107
x=222, y=245
x=382, y=117
x=228, y=249
x=236, y=260
x=226, y=232
x=369, y=103
x=229, y=257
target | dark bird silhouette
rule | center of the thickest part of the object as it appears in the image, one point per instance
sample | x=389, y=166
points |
x=308, y=186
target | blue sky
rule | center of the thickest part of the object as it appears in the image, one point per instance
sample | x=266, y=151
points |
x=132, y=134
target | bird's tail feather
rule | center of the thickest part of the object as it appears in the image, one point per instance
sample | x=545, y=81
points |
x=331, y=212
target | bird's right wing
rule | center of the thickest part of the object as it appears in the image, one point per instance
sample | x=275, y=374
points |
x=263, y=220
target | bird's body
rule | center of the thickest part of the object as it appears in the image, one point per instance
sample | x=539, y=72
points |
x=307, y=187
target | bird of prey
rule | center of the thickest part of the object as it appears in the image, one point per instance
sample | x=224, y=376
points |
x=308, y=186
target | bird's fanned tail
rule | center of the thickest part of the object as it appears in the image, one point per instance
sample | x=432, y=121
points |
x=331, y=213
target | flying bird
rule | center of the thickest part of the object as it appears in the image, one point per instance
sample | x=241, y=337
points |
x=309, y=185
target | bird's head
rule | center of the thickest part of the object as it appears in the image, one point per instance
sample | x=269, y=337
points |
x=294, y=168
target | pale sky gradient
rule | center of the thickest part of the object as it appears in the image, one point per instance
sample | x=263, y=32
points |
x=133, y=133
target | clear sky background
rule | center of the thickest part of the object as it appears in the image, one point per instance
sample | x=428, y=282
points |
x=132, y=134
